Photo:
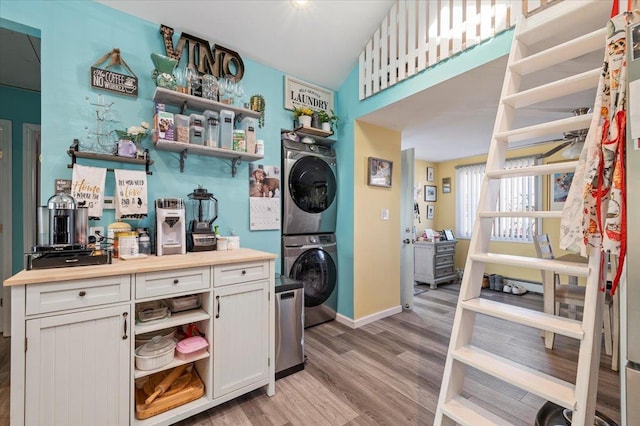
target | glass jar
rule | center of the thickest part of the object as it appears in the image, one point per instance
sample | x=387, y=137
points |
x=144, y=243
x=126, y=243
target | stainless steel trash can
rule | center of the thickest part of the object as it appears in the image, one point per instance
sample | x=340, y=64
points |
x=289, y=326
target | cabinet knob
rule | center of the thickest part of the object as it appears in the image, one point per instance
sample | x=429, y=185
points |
x=82, y=293
x=176, y=281
x=244, y=272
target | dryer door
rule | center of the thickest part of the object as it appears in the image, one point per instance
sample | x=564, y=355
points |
x=317, y=270
x=312, y=184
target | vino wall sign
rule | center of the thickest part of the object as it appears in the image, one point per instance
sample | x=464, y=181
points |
x=206, y=58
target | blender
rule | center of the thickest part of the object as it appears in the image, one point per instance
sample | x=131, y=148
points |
x=203, y=210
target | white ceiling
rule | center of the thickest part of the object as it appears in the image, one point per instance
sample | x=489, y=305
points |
x=321, y=44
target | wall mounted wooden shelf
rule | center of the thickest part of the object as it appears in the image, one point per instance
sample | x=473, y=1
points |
x=75, y=153
x=183, y=148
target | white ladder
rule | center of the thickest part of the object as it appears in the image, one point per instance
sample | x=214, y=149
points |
x=529, y=34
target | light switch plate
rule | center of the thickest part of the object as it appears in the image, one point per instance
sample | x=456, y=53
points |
x=384, y=214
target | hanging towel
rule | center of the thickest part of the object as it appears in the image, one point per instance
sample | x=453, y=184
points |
x=87, y=188
x=131, y=194
x=594, y=214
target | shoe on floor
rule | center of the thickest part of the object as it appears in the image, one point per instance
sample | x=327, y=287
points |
x=518, y=289
x=507, y=288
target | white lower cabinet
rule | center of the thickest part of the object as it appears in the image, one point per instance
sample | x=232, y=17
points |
x=73, y=342
x=240, y=336
x=78, y=368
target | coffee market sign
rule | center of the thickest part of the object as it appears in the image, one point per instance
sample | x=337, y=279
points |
x=298, y=93
x=111, y=81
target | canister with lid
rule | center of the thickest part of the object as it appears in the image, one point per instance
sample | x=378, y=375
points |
x=196, y=135
x=249, y=125
x=126, y=244
x=211, y=128
x=226, y=128
x=259, y=147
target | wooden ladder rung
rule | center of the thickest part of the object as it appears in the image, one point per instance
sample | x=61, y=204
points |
x=554, y=90
x=541, y=170
x=534, y=381
x=539, y=214
x=540, y=320
x=571, y=49
x=581, y=13
x=577, y=122
x=559, y=266
x=466, y=413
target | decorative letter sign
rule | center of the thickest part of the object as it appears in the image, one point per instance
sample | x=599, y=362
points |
x=219, y=61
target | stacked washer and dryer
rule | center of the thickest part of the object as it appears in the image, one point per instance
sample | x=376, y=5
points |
x=308, y=226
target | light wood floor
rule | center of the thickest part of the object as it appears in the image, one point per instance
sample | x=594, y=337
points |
x=389, y=372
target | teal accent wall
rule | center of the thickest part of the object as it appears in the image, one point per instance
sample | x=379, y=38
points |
x=75, y=34
x=352, y=109
x=20, y=107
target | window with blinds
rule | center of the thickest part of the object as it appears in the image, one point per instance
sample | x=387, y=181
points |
x=516, y=194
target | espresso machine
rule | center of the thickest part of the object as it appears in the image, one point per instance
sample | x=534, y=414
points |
x=203, y=210
x=170, y=226
x=62, y=239
x=62, y=219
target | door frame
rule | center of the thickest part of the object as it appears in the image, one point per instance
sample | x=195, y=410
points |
x=6, y=221
x=406, y=228
x=30, y=182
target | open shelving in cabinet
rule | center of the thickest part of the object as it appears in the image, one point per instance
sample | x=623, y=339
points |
x=202, y=361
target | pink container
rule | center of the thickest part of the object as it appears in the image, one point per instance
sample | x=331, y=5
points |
x=191, y=347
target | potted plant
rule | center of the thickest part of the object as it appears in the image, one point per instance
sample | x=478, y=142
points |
x=303, y=115
x=327, y=120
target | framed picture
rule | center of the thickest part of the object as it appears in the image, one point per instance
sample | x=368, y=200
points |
x=380, y=172
x=429, y=174
x=635, y=40
x=448, y=235
x=446, y=185
x=430, y=211
x=430, y=193
x=559, y=184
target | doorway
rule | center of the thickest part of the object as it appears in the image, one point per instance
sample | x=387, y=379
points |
x=20, y=117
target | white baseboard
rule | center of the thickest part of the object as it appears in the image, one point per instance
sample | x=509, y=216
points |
x=369, y=318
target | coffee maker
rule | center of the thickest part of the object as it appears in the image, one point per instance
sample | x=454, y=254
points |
x=62, y=223
x=203, y=210
x=170, y=226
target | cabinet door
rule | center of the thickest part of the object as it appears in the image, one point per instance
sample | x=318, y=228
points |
x=240, y=336
x=77, y=368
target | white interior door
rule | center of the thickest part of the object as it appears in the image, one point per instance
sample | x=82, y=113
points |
x=406, y=232
x=5, y=220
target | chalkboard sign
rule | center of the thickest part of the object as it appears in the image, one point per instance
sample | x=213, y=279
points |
x=114, y=82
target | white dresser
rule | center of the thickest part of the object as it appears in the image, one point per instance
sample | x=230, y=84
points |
x=434, y=262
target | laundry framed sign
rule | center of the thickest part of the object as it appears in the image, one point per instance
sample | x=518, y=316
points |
x=298, y=93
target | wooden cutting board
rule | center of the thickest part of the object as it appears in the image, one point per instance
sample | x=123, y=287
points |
x=186, y=388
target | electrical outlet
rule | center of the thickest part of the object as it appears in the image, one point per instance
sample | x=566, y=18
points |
x=108, y=202
x=98, y=231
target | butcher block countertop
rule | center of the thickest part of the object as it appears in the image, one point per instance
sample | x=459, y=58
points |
x=149, y=264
